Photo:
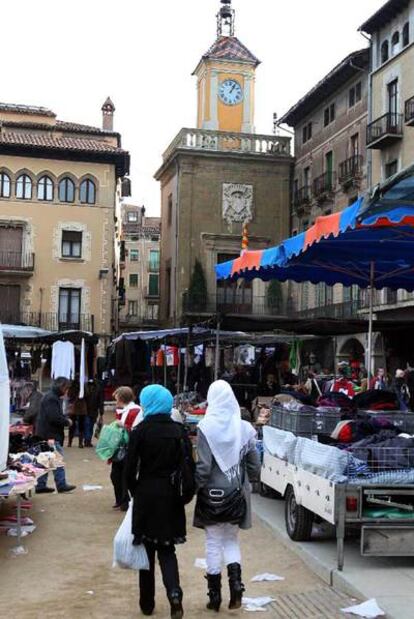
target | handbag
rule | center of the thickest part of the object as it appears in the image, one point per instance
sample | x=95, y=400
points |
x=217, y=505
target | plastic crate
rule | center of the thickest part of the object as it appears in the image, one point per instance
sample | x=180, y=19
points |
x=325, y=421
x=307, y=423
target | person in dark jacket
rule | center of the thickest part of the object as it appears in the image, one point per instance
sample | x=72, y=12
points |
x=227, y=462
x=50, y=427
x=77, y=411
x=154, y=455
x=94, y=406
x=33, y=406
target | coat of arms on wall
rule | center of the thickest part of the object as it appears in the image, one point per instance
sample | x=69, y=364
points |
x=237, y=203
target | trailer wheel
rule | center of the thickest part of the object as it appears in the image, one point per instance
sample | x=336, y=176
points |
x=299, y=520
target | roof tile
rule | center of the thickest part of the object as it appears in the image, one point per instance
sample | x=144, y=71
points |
x=52, y=141
x=230, y=48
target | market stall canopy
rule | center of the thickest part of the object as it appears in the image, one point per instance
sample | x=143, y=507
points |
x=25, y=333
x=341, y=248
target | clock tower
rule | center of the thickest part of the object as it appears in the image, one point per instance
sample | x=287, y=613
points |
x=225, y=80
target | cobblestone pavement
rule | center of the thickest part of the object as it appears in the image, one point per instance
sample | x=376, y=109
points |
x=67, y=572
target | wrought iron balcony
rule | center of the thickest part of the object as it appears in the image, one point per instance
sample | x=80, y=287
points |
x=385, y=130
x=49, y=320
x=302, y=197
x=324, y=184
x=350, y=170
x=16, y=262
x=233, y=302
x=224, y=141
x=409, y=112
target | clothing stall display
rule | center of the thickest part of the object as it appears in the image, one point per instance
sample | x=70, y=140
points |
x=63, y=360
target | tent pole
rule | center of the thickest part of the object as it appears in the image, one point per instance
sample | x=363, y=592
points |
x=179, y=368
x=187, y=352
x=165, y=362
x=371, y=317
x=217, y=356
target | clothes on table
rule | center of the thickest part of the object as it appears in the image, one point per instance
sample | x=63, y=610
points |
x=63, y=360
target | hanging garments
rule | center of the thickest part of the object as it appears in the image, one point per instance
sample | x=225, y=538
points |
x=63, y=360
x=4, y=405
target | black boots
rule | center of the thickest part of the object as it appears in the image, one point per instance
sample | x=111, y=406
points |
x=236, y=585
x=176, y=603
x=214, y=591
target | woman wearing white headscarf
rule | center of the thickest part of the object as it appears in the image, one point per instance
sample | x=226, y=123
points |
x=227, y=462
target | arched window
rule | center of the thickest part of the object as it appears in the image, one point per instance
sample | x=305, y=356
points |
x=384, y=52
x=395, y=42
x=87, y=192
x=4, y=185
x=406, y=34
x=24, y=187
x=45, y=188
x=66, y=190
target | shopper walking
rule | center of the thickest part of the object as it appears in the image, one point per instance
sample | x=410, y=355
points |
x=50, y=427
x=400, y=388
x=77, y=413
x=128, y=416
x=154, y=456
x=94, y=407
x=227, y=462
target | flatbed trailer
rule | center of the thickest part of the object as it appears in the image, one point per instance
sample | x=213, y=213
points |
x=344, y=505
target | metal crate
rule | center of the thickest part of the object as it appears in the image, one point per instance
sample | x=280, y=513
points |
x=404, y=421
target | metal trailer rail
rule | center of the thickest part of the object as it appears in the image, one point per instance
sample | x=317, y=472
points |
x=343, y=505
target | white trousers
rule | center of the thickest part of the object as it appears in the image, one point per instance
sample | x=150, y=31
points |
x=222, y=546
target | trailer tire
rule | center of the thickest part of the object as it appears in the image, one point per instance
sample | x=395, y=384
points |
x=298, y=519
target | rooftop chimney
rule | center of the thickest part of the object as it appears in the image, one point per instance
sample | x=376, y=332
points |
x=108, y=110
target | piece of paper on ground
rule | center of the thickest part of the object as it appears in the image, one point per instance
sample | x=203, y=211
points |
x=368, y=610
x=90, y=487
x=255, y=609
x=258, y=602
x=267, y=577
x=201, y=564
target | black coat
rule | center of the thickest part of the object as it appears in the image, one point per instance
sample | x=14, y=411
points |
x=51, y=422
x=153, y=457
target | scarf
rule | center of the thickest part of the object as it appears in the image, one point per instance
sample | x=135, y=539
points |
x=156, y=400
x=226, y=434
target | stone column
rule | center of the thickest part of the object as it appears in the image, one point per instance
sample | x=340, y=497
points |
x=247, y=126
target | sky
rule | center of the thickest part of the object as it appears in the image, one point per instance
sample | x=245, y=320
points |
x=69, y=55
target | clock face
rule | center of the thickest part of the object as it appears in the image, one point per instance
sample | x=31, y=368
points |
x=230, y=92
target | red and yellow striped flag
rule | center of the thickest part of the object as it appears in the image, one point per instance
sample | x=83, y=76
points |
x=245, y=238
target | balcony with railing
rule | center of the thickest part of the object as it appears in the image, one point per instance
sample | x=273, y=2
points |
x=350, y=170
x=17, y=263
x=49, y=320
x=409, y=112
x=238, y=304
x=225, y=141
x=324, y=185
x=302, y=199
x=385, y=130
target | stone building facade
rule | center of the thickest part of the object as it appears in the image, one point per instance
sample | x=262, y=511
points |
x=216, y=179
x=330, y=172
x=59, y=187
x=140, y=266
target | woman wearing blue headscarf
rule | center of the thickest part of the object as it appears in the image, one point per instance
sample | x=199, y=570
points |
x=154, y=456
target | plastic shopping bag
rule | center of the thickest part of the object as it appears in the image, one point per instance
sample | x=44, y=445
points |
x=126, y=555
x=111, y=439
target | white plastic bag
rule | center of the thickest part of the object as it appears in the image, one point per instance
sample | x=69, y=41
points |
x=126, y=555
